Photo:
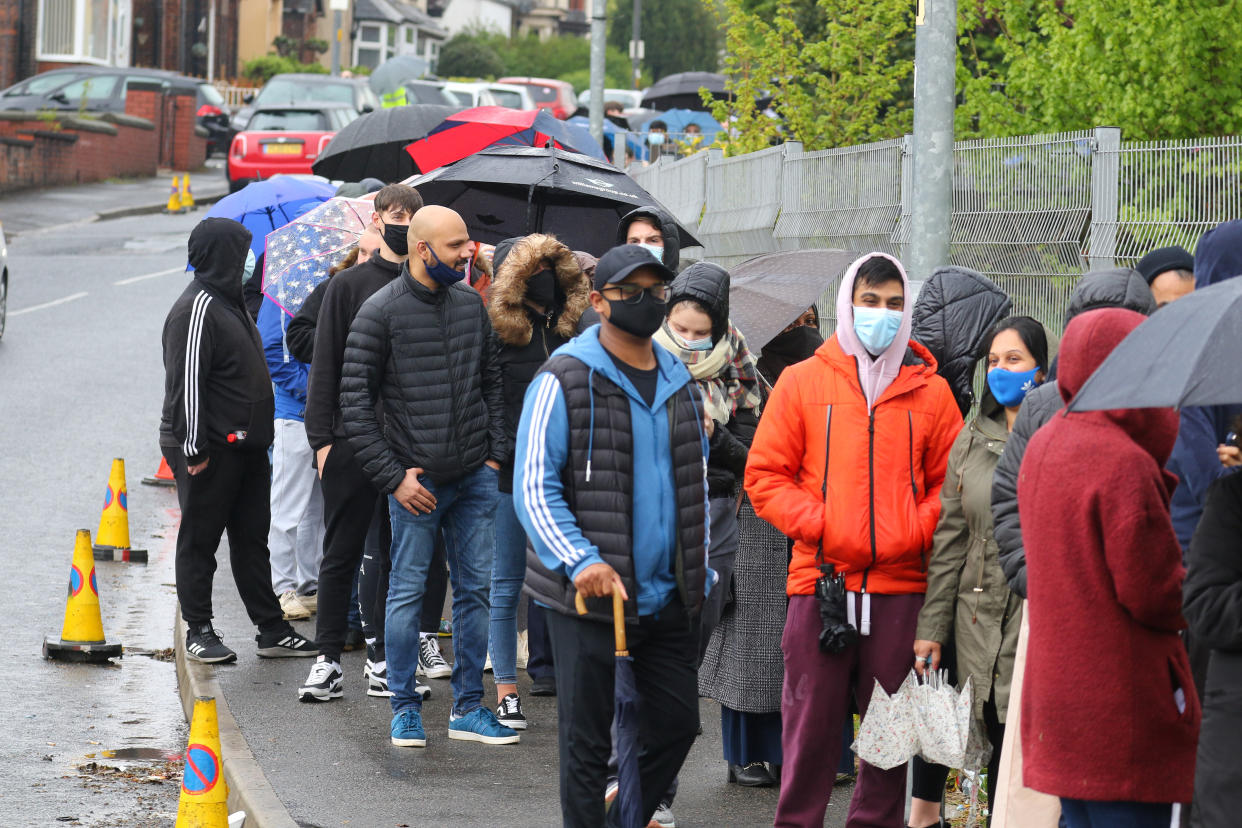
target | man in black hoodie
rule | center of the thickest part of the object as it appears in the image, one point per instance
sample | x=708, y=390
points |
x=215, y=430
x=349, y=499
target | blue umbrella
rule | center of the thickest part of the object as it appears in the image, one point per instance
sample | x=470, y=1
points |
x=263, y=206
x=629, y=801
x=611, y=130
x=678, y=119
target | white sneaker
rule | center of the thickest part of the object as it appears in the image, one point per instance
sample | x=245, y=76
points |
x=523, y=649
x=323, y=683
x=376, y=677
x=311, y=602
x=430, y=662
x=292, y=606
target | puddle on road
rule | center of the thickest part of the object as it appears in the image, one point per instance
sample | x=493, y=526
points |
x=156, y=754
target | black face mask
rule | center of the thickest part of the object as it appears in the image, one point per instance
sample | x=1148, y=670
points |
x=641, y=319
x=395, y=236
x=541, y=289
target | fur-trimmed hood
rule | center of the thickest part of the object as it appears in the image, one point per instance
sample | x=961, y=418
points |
x=511, y=319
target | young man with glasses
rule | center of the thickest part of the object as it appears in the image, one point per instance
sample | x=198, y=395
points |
x=610, y=485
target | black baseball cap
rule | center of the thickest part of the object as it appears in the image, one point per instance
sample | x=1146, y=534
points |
x=1164, y=259
x=621, y=261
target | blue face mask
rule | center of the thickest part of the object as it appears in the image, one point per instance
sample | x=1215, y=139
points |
x=655, y=138
x=876, y=327
x=248, y=271
x=692, y=344
x=1010, y=387
x=658, y=252
x=443, y=274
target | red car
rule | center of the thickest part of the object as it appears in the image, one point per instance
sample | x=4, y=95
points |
x=555, y=95
x=284, y=139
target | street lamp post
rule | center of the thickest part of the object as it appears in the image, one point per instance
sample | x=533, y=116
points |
x=599, y=20
x=935, y=66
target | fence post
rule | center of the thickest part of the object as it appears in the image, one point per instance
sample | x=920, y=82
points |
x=1105, y=186
x=901, y=233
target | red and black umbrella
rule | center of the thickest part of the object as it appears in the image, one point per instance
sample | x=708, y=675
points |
x=466, y=133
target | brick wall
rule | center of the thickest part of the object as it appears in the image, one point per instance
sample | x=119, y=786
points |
x=156, y=131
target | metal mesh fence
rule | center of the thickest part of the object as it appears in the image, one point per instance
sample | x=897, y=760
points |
x=1032, y=212
x=1171, y=192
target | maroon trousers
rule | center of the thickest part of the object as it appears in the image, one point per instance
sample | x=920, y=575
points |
x=815, y=702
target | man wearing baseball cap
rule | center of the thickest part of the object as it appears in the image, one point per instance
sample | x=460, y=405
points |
x=609, y=484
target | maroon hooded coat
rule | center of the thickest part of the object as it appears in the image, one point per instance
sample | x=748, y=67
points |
x=1099, y=720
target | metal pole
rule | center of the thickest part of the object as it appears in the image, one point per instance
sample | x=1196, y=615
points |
x=935, y=65
x=336, y=42
x=637, y=39
x=599, y=19
x=211, y=40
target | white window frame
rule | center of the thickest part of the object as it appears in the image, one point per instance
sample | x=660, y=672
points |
x=117, y=46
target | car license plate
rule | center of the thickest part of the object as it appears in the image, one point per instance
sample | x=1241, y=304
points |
x=282, y=149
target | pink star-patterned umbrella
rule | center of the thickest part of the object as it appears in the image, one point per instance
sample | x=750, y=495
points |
x=300, y=254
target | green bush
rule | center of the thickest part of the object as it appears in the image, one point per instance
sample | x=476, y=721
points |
x=467, y=56
x=261, y=69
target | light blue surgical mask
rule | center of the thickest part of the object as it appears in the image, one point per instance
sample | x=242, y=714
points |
x=704, y=344
x=655, y=138
x=248, y=270
x=876, y=327
x=654, y=250
x=1011, y=387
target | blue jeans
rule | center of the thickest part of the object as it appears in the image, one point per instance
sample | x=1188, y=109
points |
x=1083, y=813
x=508, y=572
x=466, y=510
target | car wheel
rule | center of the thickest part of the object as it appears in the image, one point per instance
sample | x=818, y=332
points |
x=4, y=301
x=234, y=186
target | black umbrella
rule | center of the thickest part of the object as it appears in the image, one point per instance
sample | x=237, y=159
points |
x=681, y=91
x=389, y=75
x=374, y=144
x=769, y=292
x=1185, y=354
x=512, y=191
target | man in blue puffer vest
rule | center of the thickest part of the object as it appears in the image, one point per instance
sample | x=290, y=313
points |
x=296, y=535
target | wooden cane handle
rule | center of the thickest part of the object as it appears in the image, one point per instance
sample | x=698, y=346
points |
x=580, y=604
x=618, y=622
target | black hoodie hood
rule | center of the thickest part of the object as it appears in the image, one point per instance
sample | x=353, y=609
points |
x=708, y=284
x=1118, y=287
x=217, y=251
x=1218, y=255
x=956, y=309
x=664, y=223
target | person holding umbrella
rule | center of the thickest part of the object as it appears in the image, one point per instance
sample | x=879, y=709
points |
x=610, y=488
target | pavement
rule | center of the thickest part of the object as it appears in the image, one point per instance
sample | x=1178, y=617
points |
x=30, y=210
x=80, y=383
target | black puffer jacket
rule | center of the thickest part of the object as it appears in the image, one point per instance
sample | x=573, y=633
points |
x=956, y=309
x=1213, y=608
x=664, y=223
x=524, y=338
x=429, y=357
x=216, y=381
x=1116, y=288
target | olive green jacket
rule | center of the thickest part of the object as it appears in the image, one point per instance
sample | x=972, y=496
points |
x=967, y=595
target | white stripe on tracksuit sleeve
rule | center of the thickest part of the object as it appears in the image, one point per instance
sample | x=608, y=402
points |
x=538, y=494
x=193, y=372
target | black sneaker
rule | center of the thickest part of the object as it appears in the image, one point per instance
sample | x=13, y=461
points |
x=202, y=643
x=543, y=686
x=323, y=683
x=376, y=675
x=285, y=644
x=509, y=713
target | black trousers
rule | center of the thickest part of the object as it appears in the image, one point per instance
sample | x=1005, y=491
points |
x=539, y=663
x=664, y=647
x=373, y=576
x=232, y=495
x=348, y=508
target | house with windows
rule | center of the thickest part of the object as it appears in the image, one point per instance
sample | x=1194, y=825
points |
x=383, y=29
x=457, y=16
x=549, y=18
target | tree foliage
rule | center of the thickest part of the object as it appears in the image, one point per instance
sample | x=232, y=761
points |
x=678, y=35
x=469, y=57
x=847, y=83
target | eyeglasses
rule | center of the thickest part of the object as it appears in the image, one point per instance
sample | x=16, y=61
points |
x=632, y=294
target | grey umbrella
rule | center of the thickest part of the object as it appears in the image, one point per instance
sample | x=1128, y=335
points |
x=1184, y=354
x=389, y=75
x=770, y=291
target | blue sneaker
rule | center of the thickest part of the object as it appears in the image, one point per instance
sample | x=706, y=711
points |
x=407, y=729
x=481, y=725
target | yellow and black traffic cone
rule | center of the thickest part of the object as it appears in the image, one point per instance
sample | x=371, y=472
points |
x=174, y=197
x=82, y=636
x=204, y=793
x=163, y=476
x=186, y=199
x=112, y=539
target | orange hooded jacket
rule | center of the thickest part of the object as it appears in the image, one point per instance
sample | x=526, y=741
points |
x=865, y=484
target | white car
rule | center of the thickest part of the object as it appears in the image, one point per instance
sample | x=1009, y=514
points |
x=485, y=93
x=631, y=99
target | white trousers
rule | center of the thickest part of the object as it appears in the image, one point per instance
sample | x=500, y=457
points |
x=295, y=539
